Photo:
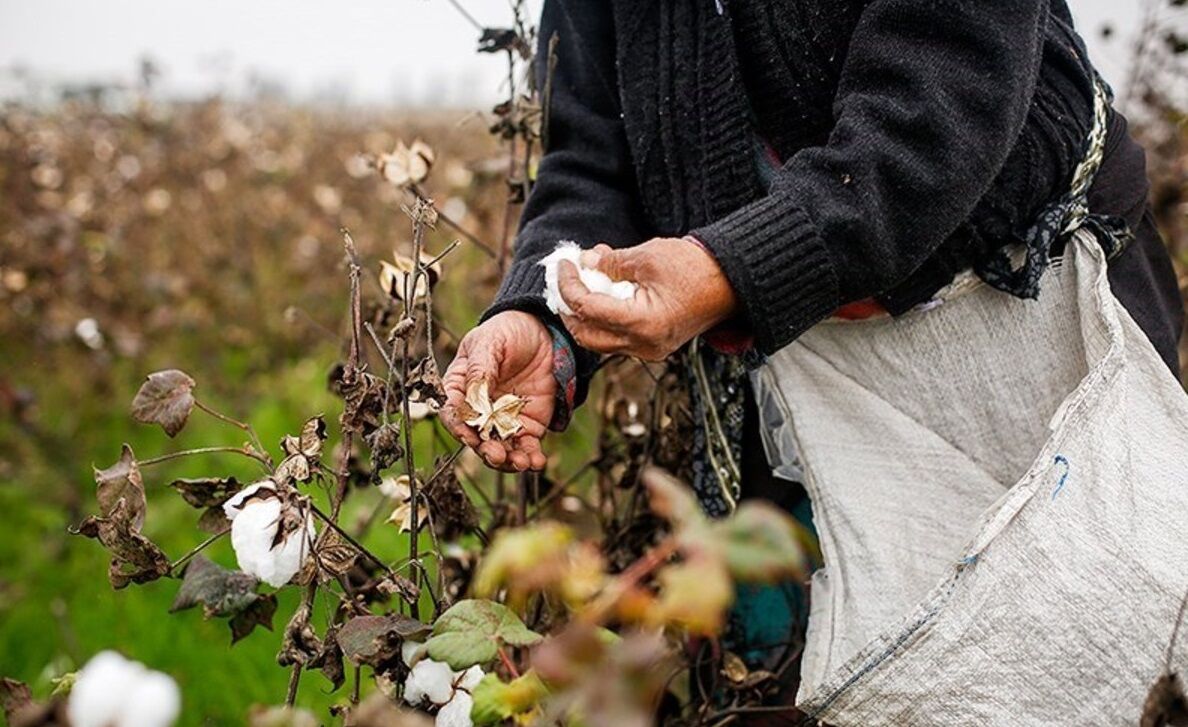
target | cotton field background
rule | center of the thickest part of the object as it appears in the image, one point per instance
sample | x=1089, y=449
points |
x=280, y=252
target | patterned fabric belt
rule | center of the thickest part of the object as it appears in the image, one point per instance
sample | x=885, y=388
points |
x=1061, y=218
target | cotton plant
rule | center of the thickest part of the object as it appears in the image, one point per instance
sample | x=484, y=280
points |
x=271, y=538
x=111, y=691
x=434, y=683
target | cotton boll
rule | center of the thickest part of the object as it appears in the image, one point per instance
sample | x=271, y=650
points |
x=457, y=712
x=429, y=680
x=154, y=701
x=470, y=678
x=254, y=524
x=112, y=691
x=595, y=280
x=100, y=689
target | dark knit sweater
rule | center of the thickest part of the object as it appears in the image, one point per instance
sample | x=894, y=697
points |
x=917, y=136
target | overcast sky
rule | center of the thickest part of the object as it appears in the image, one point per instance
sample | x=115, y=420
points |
x=374, y=51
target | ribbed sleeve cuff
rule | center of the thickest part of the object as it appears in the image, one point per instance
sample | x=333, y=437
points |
x=778, y=265
x=523, y=290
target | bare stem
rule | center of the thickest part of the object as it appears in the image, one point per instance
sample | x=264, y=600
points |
x=197, y=549
x=508, y=663
x=206, y=450
x=235, y=423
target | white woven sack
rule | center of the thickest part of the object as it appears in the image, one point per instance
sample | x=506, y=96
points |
x=1001, y=492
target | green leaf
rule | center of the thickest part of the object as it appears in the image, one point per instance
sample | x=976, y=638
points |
x=165, y=398
x=472, y=631
x=760, y=544
x=206, y=491
x=495, y=701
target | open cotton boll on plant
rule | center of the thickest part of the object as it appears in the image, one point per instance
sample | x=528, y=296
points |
x=595, y=281
x=257, y=515
x=112, y=691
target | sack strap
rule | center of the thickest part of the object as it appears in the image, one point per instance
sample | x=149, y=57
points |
x=1061, y=218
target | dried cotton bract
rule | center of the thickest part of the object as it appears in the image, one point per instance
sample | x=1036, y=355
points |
x=406, y=165
x=269, y=537
x=112, y=691
x=500, y=420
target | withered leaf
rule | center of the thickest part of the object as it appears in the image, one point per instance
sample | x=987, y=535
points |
x=294, y=468
x=385, y=447
x=374, y=640
x=309, y=442
x=14, y=696
x=165, y=398
x=454, y=513
x=213, y=520
x=425, y=381
x=329, y=659
x=499, y=420
x=134, y=558
x=301, y=642
x=21, y=711
x=220, y=591
x=334, y=554
x=122, y=482
x=206, y=491
x=1166, y=704
x=396, y=584
x=258, y=614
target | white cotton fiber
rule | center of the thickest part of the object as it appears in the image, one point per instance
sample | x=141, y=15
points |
x=595, y=280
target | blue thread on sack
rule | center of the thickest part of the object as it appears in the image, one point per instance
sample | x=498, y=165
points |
x=970, y=559
x=1061, y=459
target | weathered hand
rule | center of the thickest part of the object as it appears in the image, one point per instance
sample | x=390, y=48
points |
x=682, y=293
x=513, y=353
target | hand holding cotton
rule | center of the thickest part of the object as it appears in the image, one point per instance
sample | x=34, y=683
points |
x=594, y=280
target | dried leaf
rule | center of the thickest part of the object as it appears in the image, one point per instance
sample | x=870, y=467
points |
x=14, y=696
x=213, y=520
x=334, y=555
x=122, y=482
x=329, y=659
x=1166, y=704
x=385, y=446
x=734, y=668
x=500, y=420
x=300, y=642
x=454, y=513
x=258, y=614
x=471, y=631
x=206, y=491
x=294, y=468
x=425, y=382
x=134, y=558
x=220, y=591
x=374, y=640
x=313, y=435
x=165, y=398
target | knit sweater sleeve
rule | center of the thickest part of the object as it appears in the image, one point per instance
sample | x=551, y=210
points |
x=931, y=99
x=585, y=189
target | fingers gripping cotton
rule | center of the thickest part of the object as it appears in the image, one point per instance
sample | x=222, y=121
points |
x=594, y=280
